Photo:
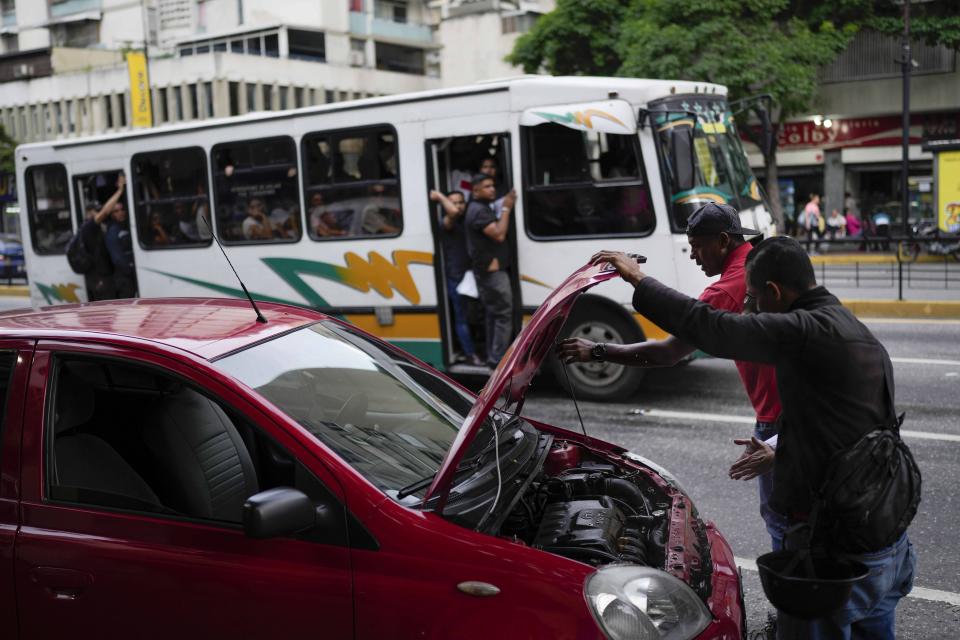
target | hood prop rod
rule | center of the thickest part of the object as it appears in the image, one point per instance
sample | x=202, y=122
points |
x=574, y=396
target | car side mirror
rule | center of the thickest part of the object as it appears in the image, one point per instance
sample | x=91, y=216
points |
x=281, y=511
x=681, y=142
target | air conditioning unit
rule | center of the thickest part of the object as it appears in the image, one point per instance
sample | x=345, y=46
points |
x=357, y=59
x=23, y=71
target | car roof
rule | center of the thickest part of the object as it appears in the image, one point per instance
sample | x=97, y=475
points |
x=207, y=327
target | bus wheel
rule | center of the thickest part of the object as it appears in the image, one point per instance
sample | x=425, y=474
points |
x=599, y=380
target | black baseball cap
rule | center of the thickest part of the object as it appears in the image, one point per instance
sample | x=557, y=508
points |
x=714, y=218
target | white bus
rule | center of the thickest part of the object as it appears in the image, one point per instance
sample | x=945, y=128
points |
x=596, y=162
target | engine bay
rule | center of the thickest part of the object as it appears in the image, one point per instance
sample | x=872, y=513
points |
x=603, y=509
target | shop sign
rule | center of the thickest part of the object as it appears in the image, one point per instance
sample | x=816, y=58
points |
x=880, y=131
x=948, y=190
x=8, y=187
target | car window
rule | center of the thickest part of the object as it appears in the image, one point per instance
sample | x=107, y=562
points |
x=7, y=361
x=133, y=438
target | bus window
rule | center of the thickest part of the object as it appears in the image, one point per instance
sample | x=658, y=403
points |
x=352, y=186
x=48, y=208
x=255, y=191
x=170, y=198
x=584, y=183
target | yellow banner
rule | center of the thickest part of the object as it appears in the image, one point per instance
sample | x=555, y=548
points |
x=948, y=190
x=141, y=114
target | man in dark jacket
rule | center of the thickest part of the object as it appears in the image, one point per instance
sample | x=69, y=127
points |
x=99, y=280
x=830, y=375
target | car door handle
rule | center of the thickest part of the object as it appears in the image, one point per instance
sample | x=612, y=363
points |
x=61, y=583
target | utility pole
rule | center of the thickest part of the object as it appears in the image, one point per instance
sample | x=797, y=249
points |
x=907, y=64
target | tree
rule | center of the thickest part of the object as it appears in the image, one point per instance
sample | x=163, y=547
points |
x=7, y=147
x=753, y=47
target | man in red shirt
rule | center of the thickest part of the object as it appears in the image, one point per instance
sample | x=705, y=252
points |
x=718, y=246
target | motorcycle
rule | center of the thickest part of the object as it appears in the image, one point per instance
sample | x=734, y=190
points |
x=927, y=239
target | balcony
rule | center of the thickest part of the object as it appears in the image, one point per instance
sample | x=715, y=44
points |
x=361, y=25
x=62, y=8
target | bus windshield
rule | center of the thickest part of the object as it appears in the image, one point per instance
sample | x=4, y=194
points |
x=721, y=172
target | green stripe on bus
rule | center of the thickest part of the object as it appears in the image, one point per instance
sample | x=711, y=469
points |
x=430, y=351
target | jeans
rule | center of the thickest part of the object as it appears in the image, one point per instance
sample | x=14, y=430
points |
x=870, y=613
x=776, y=524
x=460, y=325
x=497, y=298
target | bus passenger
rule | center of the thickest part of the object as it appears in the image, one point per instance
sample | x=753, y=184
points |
x=256, y=226
x=490, y=256
x=372, y=219
x=120, y=246
x=456, y=262
x=323, y=222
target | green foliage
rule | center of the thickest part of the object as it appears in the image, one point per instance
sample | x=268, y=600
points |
x=7, y=147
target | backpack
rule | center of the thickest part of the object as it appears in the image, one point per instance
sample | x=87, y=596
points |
x=871, y=491
x=78, y=256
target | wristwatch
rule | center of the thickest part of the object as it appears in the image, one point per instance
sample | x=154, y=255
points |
x=599, y=352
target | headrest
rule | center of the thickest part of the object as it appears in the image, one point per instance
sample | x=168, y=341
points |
x=75, y=402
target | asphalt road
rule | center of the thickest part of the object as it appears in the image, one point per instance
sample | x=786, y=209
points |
x=698, y=450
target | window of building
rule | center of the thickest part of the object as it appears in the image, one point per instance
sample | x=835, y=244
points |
x=358, y=53
x=164, y=107
x=79, y=34
x=307, y=45
x=177, y=103
x=186, y=51
x=234, y=89
x=251, y=96
x=351, y=184
x=236, y=46
x=48, y=208
x=253, y=46
x=170, y=198
x=297, y=97
x=256, y=191
x=203, y=48
x=266, y=91
x=393, y=57
x=122, y=448
x=219, y=46
x=194, y=105
x=122, y=108
x=271, y=45
x=284, y=95
x=11, y=43
x=208, y=99
x=518, y=23
x=584, y=183
x=328, y=96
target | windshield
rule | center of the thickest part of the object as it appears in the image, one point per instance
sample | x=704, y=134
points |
x=388, y=417
x=721, y=174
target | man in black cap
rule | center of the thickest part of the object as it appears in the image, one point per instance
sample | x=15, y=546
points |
x=718, y=246
x=833, y=376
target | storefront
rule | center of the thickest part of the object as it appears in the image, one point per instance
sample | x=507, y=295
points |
x=857, y=161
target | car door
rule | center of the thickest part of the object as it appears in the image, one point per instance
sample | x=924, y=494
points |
x=96, y=554
x=14, y=365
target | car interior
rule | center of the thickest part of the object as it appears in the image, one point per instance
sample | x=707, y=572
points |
x=133, y=438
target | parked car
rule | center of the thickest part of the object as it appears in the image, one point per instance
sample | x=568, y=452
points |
x=174, y=467
x=11, y=257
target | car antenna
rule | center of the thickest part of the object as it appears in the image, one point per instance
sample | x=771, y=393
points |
x=260, y=317
x=573, y=395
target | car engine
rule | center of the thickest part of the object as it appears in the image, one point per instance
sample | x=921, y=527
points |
x=586, y=508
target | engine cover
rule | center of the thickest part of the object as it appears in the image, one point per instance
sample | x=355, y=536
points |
x=587, y=529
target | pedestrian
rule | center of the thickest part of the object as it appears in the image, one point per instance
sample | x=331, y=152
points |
x=456, y=263
x=811, y=220
x=836, y=225
x=833, y=381
x=717, y=245
x=853, y=225
x=881, y=226
x=120, y=247
x=489, y=254
x=99, y=279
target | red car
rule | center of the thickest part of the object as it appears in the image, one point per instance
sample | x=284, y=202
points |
x=175, y=468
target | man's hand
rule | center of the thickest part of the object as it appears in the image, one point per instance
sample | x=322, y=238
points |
x=626, y=266
x=121, y=182
x=435, y=196
x=756, y=460
x=575, y=350
x=510, y=199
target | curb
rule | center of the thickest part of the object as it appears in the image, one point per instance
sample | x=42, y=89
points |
x=21, y=291
x=932, y=309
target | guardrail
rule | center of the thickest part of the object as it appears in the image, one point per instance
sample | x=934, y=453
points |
x=904, y=262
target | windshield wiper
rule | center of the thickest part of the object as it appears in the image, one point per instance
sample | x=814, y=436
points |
x=425, y=481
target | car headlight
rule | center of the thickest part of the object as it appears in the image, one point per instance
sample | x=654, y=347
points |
x=641, y=603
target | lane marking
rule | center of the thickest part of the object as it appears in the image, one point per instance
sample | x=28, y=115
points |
x=720, y=417
x=948, y=363
x=920, y=593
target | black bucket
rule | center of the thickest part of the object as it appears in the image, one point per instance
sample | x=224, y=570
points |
x=808, y=586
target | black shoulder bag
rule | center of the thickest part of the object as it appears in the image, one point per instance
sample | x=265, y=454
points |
x=870, y=491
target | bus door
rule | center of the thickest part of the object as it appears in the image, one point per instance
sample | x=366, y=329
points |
x=49, y=227
x=92, y=192
x=452, y=163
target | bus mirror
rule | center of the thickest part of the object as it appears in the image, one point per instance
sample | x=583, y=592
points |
x=683, y=159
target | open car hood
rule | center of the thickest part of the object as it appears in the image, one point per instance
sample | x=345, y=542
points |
x=507, y=386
